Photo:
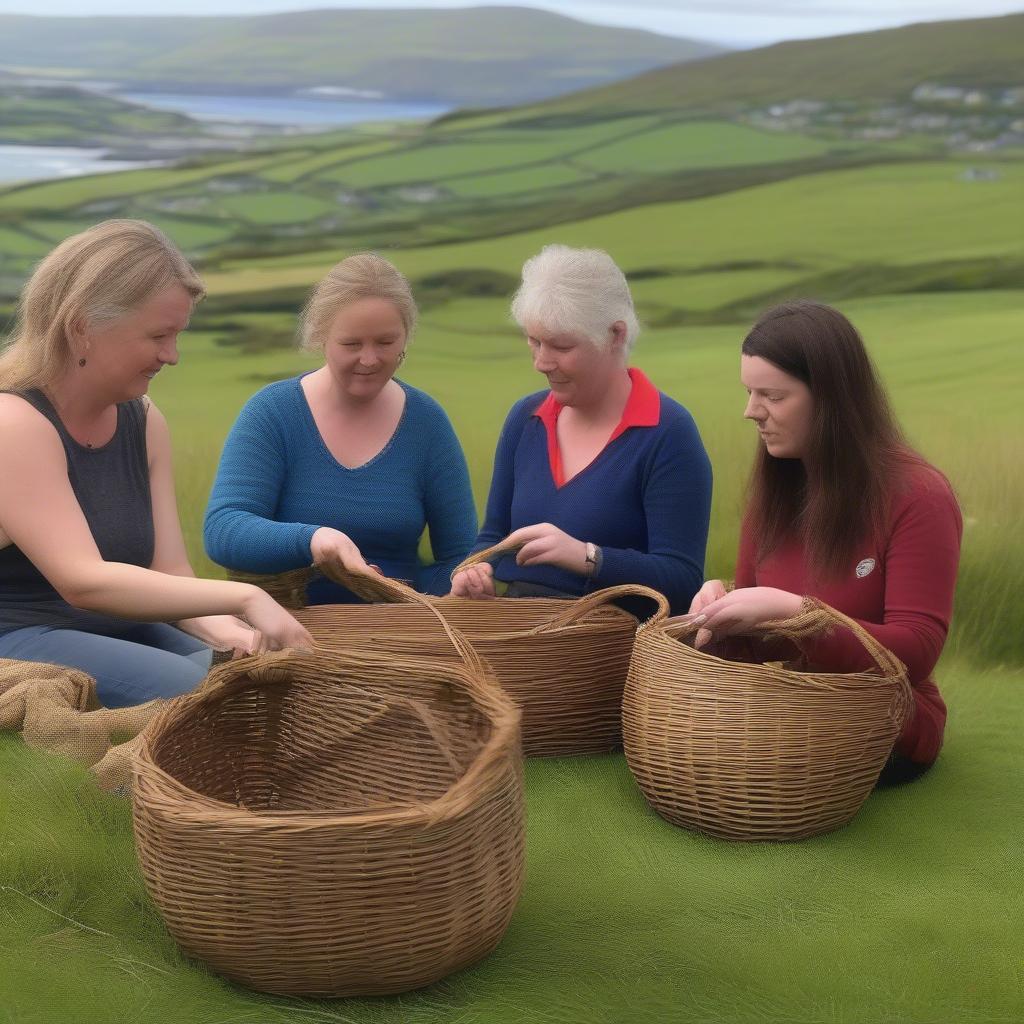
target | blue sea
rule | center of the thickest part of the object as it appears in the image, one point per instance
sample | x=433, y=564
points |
x=304, y=111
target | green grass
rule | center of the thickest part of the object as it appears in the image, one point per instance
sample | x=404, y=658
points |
x=275, y=207
x=484, y=151
x=16, y=243
x=527, y=179
x=687, y=146
x=910, y=914
x=900, y=214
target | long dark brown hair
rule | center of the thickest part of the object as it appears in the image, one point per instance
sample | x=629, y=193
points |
x=839, y=493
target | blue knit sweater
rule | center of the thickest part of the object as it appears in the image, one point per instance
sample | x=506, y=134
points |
x=278, y=483
x=645, y=499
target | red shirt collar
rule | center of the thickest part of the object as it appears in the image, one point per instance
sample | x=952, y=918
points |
x=643, y=409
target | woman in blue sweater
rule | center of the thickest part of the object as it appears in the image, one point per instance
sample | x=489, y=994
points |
x=345, y=465
x=602, y=479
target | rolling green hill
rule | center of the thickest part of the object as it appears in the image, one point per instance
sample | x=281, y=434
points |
x=66, y=116
x=475, y=56
x=983, y=53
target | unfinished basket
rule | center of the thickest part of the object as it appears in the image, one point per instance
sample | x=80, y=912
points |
x=758, y=751
x=564, y=663
x=334, y=824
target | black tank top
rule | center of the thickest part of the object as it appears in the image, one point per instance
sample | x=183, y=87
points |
x=111, y=484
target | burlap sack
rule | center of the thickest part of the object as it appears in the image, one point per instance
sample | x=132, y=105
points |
x=56, y=710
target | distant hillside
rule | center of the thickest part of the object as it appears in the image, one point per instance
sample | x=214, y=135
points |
x=56, y=116
x=986, y=53
x=477, y=56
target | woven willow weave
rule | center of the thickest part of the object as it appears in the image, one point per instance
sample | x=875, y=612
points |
x=334, y=825
x=758, y=751
x=564, y=663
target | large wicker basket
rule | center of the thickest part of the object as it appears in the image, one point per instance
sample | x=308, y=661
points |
x=563, y=663
x=334, y=825
x=758, y=751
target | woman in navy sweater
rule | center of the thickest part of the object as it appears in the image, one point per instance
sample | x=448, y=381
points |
x=602, y=479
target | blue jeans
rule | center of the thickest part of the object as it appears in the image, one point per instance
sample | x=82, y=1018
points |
x=132, y=662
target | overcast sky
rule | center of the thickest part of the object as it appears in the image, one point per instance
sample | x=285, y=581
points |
x=734, y=22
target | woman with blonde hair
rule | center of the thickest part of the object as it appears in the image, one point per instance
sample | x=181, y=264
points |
x=602, y=479
x=93, y=569
x=346, y=464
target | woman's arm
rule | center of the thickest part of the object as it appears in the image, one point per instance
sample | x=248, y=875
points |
x=39, y=512
x=920, y=567
x=223, y=632
x=921, y=562
x=448, y=503
x=239, y=530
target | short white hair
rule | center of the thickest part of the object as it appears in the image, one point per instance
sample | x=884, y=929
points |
x=575, y=291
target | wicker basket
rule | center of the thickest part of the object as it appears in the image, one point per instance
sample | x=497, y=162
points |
x=564, y=663
x=758, y=751
x=334, y=825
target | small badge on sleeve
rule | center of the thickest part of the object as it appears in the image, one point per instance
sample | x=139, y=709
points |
x=864, y=567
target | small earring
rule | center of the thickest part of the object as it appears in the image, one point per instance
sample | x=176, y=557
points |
x=401, y=357
x=81, y=362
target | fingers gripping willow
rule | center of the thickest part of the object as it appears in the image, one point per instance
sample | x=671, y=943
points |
x=759, y=751
x=563, y=663
x=334, y=824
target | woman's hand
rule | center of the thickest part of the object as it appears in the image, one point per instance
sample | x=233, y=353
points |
x=711, y=591
x=275, y=627
x=739, y=612
x=544, y=544
x=332, y=549
x=224, y=633
x=477, y=581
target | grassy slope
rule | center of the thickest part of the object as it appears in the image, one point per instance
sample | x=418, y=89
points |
x=475, y=56
x=67, y=116
x=982, y=52
x=483, y=182
x=897, y=918
x=898, y=214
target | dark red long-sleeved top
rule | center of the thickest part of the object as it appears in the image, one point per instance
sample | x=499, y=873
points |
x=899, y=588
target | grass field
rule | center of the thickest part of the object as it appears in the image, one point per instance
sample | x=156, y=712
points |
x=911, y=915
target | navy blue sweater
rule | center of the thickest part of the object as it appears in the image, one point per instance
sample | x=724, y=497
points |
x=278, y=483
x=645, y=499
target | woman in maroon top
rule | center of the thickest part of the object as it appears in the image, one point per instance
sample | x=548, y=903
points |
x=840, y=508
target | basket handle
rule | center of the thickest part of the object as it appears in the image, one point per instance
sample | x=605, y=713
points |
x=583, y=605
x=372, y=586
x=494, y=551
x=815, y=617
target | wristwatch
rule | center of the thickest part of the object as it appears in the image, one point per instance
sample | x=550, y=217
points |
x=593, y=558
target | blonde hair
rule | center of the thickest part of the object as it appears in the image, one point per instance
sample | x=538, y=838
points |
x=575, y=291
x=94, y=277
x=363, y=276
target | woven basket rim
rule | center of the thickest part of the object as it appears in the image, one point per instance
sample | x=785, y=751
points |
x=226, y=679
x=589, y=623
x=824, y=680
